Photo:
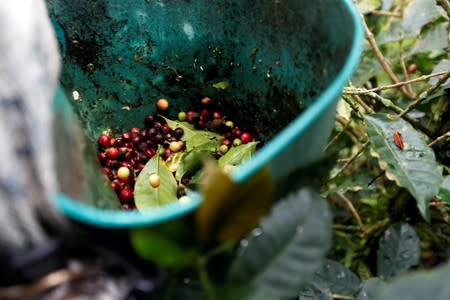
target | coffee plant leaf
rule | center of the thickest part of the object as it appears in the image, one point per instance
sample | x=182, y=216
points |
x=282, y=254
x=444, y=190
x=431, y=284
x=156, y=246
x=337, y=278
x=238, y=155
x=314, y=292
x=146, y=196
x=405, y=156
x=399, y=250
x=191, y=163
x=370, y=289
x=230, y=210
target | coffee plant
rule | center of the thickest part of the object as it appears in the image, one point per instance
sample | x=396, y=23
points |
x=371, y=219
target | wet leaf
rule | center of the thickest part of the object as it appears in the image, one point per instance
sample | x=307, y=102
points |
x=146, y=196
x=191, y=163
x=230, y=210
x=282, y=254
x=444, y=190
x=237, y=155
x=157, y=246
x=337, y=278
x=419, y=13
x=370, y=289
x=399, y=250
x=313, y=292
x=414, y=167
x=419, y=285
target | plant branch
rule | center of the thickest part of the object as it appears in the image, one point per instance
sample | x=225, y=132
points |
x=439, y=139
x=351, y=160
x=361, y=91
x=352, y=209
x=424, y=95
x=346, y=124
x=341, y=297
x=379, y=55
x=385, y=13
x=374, y=227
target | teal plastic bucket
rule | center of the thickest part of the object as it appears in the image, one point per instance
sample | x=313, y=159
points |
x=286, y=63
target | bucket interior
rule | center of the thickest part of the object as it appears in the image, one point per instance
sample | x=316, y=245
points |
x=276, y=58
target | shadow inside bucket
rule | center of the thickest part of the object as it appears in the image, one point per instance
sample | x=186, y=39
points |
x=277, y=58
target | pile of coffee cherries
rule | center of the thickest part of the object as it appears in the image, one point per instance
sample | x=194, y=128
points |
x=124, y=156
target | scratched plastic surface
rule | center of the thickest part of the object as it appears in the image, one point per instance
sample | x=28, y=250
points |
x=285, y=62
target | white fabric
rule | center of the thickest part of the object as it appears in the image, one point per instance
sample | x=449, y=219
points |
x=29, y=65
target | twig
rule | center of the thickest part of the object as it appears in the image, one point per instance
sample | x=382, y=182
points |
x=360, y=91
x=385, y=13
x=341, y=297
x=439, y=139
x=379, y=55
x=374, y=227
x=363, y=104
x=352, y=209
x=353, y=107
x=345, y=227
x=351, y=160
x=346, y=124
x=424, y=95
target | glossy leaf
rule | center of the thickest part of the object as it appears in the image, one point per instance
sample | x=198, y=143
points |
x=282, y=254
x=399, y=250
x=337, y=278
x=231, y=210
x=174, y=161
x=204, y=140
x=146, y=196
x=443, y=65
x=414, y=167
x=188, y=128
x=444, y=190
x=370, y=289
x=237, y=155
x=419, y=285
x=434, y=39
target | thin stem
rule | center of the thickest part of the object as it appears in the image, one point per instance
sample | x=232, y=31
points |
x=345, y=227
x=352, y=210
x=379, y=55
x=204, y=279
x=363, y=104
x=424, y=95
x=351, y=160
x=360, y=91
x=439, y=139
x=346, y=124
x=374, y=227
x=386, y=13
x=341, y=297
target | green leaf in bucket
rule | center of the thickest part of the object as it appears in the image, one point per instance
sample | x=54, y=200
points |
x=174, y=161
x=412, y=166
x=196, y=139
x=237, y=155
x=191, y=163
x=146, y=196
